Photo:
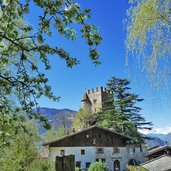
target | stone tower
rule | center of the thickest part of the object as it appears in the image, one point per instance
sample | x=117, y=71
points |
x=93, y=99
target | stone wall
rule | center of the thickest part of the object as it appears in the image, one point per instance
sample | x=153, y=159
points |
x=96, y=98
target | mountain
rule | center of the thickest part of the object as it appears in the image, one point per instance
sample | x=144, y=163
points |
x=155, y=141
x=57, y=117
x=168, y=137
x=161, y=136
x=158, y=140
x=164, y=137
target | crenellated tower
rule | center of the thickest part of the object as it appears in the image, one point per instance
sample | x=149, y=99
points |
x=93, y=99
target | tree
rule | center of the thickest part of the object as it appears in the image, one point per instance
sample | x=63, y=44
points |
x=98, y=166
x=83, y=119
x=120, y=113
x=23, y=48
x=23, y=153
x=54, y=134
x=149, y=35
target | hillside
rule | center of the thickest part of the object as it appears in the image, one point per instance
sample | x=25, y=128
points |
x=57, y=117
x=155, y=142
x=164, y=137
x=159, y=140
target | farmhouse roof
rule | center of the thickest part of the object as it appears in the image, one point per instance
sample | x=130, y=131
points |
x=93, y=128
x=157, y=149
x=160, y=163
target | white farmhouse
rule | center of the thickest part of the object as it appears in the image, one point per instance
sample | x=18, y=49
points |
x=95, y=143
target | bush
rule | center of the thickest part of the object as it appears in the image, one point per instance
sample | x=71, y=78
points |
x=42, y=165
x=78, y=169
x=98, y=166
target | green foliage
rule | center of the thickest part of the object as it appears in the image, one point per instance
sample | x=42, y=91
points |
x=42, y=165
x=23, y=154
x=120, y=113
x=149, y=36
x=83, y=119
x=24, y=48
x=78, y=169
x=54, y=134
x=136, y=168
x=98, y=166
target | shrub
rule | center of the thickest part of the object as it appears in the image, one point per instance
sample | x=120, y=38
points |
x=98, y=166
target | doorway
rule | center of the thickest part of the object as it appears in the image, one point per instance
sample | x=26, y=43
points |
x=116, y=165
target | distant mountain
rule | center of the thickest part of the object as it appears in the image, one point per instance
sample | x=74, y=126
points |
x=57, y=117
x=164, y=137
x=168, y=137
x=155, y=141
x=158, y=140
x=161, y=136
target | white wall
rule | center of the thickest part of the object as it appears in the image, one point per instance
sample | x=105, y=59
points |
x=90, y=155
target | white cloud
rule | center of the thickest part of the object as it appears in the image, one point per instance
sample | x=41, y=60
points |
x=165, y=130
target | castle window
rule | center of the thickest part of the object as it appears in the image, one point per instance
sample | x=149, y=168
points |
x=88, y=91
x=116, y=150
x=97, y=89
x=100, y=150
x=94, y=101
x=82, y=152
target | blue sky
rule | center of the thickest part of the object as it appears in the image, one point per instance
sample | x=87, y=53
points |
x=70, y=84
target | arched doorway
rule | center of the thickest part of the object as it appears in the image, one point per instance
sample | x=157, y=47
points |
x=116, y=165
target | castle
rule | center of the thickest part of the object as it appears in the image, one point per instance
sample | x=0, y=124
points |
x=94, y=99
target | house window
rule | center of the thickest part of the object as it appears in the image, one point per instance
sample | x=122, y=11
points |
x=94, y=101
x=102, y=159
x=78, y=164
x=100, y=150
x=116, y=150
x=133, y=149
x=82, y=152
x=97, y=160
x=62, y=152
x=87, y=165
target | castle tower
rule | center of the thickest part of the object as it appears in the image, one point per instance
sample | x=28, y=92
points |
x=93, y=99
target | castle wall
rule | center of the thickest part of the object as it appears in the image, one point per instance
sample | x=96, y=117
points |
x=95, y=100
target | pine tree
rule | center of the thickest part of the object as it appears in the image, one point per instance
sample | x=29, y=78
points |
x=121, y=113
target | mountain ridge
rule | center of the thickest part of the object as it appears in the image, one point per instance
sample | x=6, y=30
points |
x=57, y=117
